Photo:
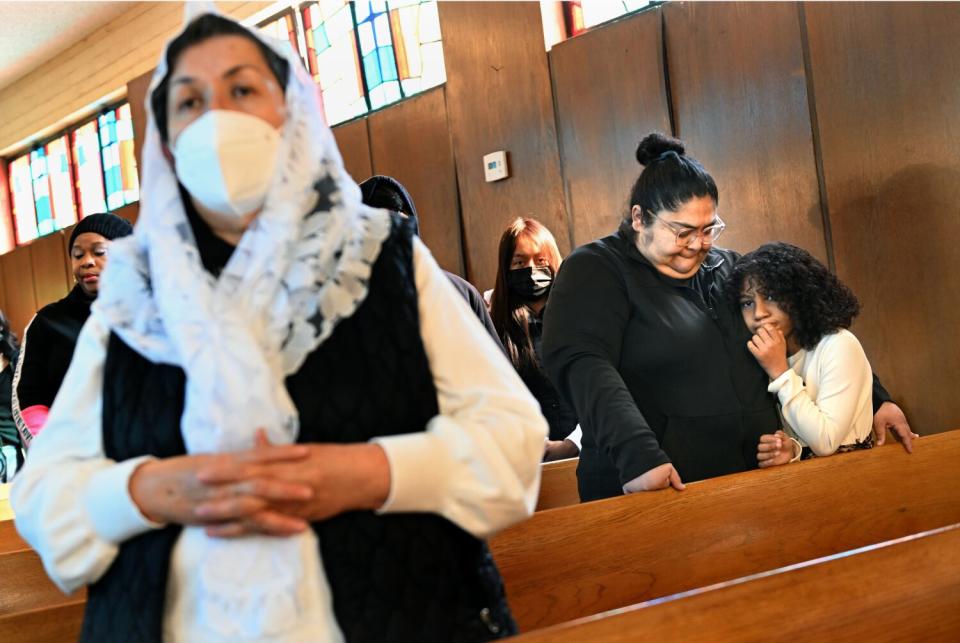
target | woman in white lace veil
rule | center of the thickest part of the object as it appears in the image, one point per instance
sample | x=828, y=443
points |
x=251, y=251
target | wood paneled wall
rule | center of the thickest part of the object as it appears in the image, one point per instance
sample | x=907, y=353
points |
x=411, y=142
x=353, y=139
x=830, y=125
x=137, y=95
x=50, y=267
x=740, y=101
x=602, y=113
x=499, y=98
x=16, y=270
x=887, y=102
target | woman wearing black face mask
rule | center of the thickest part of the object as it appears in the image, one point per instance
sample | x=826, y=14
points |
x=528, y=262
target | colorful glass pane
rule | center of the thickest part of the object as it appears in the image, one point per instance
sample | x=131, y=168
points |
x=129, y=178
x=111, y=159
x=88, y=172
x=379, y=60
x=61, y=183
x=419, y=53
x=282, y=28
x=332, y=58
x=580, y=15
x=372, y=53
x=24, y=208
x=41, y=192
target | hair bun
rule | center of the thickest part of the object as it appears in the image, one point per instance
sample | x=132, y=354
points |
x=655, y=144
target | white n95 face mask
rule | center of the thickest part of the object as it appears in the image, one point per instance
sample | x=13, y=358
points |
x=226, y=160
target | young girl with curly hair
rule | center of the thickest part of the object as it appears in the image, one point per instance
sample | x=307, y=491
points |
x=799, y=313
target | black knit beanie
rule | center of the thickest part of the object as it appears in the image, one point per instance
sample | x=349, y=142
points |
x=109, y=225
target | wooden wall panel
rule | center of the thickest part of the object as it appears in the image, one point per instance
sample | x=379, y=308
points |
x=411, y=142
x=609, y=92
x=740, y=101
x=3, y=289
x=499, y=98
x=353, y=139
x=137, y=96
x=49, y=266
x=18, y=283
x=887, y=100
x=7, y=236
x=65, y=239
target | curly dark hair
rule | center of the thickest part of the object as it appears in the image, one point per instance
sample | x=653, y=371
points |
x=817, y=302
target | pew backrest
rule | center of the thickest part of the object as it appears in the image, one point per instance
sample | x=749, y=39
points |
x=904, y=590
x=26, y=585
x=558, y=484
x=580, y=560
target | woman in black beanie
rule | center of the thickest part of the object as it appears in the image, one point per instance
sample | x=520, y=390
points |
x=52, y=334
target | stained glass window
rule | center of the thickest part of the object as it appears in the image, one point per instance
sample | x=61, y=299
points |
x=88, y=170
x=41, y=192
x=282, y=27
x=119, y=162
x=372, y=53
x=21, y=189
x=415, y=25
x=332, y=58
x=60, y=176
x=377, y=53
x=573, y=17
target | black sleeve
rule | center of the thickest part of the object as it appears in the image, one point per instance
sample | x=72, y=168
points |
x=34, y=386
x=583, y=331
x=880, y=394
x=476, y=302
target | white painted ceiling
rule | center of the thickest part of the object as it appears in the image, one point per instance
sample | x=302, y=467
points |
x=33, y=32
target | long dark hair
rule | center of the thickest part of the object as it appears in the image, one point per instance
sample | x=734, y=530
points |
x=817, y=302
x=669, y=179
x=510, y=315
x=9, y=344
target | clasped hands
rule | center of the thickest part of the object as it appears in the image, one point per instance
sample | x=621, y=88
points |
x=271, y=489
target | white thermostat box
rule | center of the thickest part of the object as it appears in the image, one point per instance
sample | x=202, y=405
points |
x=495, y=166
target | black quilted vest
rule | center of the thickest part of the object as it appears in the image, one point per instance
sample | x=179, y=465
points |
x=402, y=577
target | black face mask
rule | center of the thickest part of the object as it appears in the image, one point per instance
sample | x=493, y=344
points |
x=530, y=284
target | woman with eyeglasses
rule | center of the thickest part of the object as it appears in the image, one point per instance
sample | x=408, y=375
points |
x=639, y=337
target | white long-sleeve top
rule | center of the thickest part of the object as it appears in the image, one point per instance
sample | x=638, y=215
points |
x=476, y=464
x=826, y=394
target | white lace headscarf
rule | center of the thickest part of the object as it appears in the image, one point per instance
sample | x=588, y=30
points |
x=301, y=267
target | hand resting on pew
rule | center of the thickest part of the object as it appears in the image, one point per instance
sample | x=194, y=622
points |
x=890, y=417
x=661, y=477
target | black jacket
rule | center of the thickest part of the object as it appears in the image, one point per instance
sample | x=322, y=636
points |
x=656, y=368
x=48, y=348
x=476, y=303
x=559, y=415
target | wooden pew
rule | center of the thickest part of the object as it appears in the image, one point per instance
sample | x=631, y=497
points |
x=44, y=625
x=6, y=513
x=576, y=561
x=26, y=585
x=558, y=484
x=10, y=540
x=903, y=590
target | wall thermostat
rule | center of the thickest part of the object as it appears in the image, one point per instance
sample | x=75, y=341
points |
x=495, y=166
